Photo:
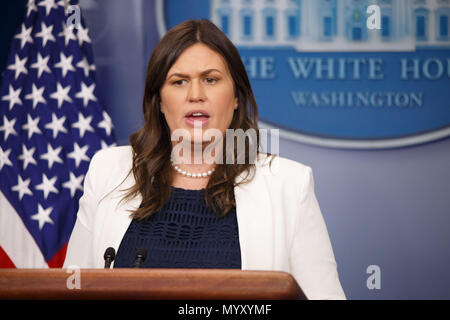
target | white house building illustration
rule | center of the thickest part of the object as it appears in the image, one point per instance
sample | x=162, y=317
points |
x=334, y=25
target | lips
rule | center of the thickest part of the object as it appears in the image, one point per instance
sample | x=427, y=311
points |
x=197, y=117
x=197, y=113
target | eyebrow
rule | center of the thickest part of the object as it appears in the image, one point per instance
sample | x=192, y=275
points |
x=182, y=75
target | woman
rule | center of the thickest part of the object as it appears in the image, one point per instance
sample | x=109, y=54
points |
x=219, y=213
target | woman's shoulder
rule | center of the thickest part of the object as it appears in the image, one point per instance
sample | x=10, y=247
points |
x=284, y=178
x=112, y=160
x=283, y=173
x=280, y=166
x=112, y=157
x=113, y=154
x=110, y=168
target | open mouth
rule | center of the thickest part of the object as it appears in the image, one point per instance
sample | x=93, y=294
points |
x=199, y=116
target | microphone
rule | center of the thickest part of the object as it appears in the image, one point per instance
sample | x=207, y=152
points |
x=141, y=255
x=109, y=256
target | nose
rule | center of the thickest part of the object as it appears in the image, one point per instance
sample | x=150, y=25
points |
x=196, y=92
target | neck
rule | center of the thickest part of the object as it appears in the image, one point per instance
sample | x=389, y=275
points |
x=190, y=157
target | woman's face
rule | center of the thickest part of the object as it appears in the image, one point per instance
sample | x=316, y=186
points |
x=198, y=91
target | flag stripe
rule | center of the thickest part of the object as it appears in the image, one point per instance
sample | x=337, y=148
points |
x=5, y=261
x=58, y=260
x=15, y=239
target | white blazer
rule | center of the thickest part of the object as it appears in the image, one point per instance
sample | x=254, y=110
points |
x=281, y=227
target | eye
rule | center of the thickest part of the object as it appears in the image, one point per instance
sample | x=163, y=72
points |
x=178, y=82
x=211, y=80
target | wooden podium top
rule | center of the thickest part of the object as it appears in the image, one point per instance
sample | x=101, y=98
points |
x=171, y=284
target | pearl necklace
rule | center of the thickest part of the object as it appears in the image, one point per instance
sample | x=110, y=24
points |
x=192, y=175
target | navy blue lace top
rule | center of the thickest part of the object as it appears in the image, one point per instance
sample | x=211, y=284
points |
x=184, y=234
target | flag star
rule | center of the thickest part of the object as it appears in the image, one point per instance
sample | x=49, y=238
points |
x=13, y=97
x=79, y=154
x=84, y=64
x=49, y=5
x=27, y=156
x=32, y=126
x=63, y=3
x=57, y=125
x=106, y=123
x=36, y=95
x=83, y=124
x=4, y=158
x=86, y=93
x=47, y=186
x=65, y=63
x=24, y=36
x=43, y=216
x=41, y=64
x=8, y=127
x=61, y=94
x=67, y=33
x=104, y=145
x=82, y=34
x=52, y=155
x=73, y=184
x=31, y=6
x=18, y=66
x=46, y=33
x=22, y=187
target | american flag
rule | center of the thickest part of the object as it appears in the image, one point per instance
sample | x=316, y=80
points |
x=51, y=124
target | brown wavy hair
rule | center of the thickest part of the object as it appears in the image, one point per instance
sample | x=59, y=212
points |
x=152, y=145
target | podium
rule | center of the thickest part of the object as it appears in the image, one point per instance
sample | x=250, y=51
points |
x=148, y=284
